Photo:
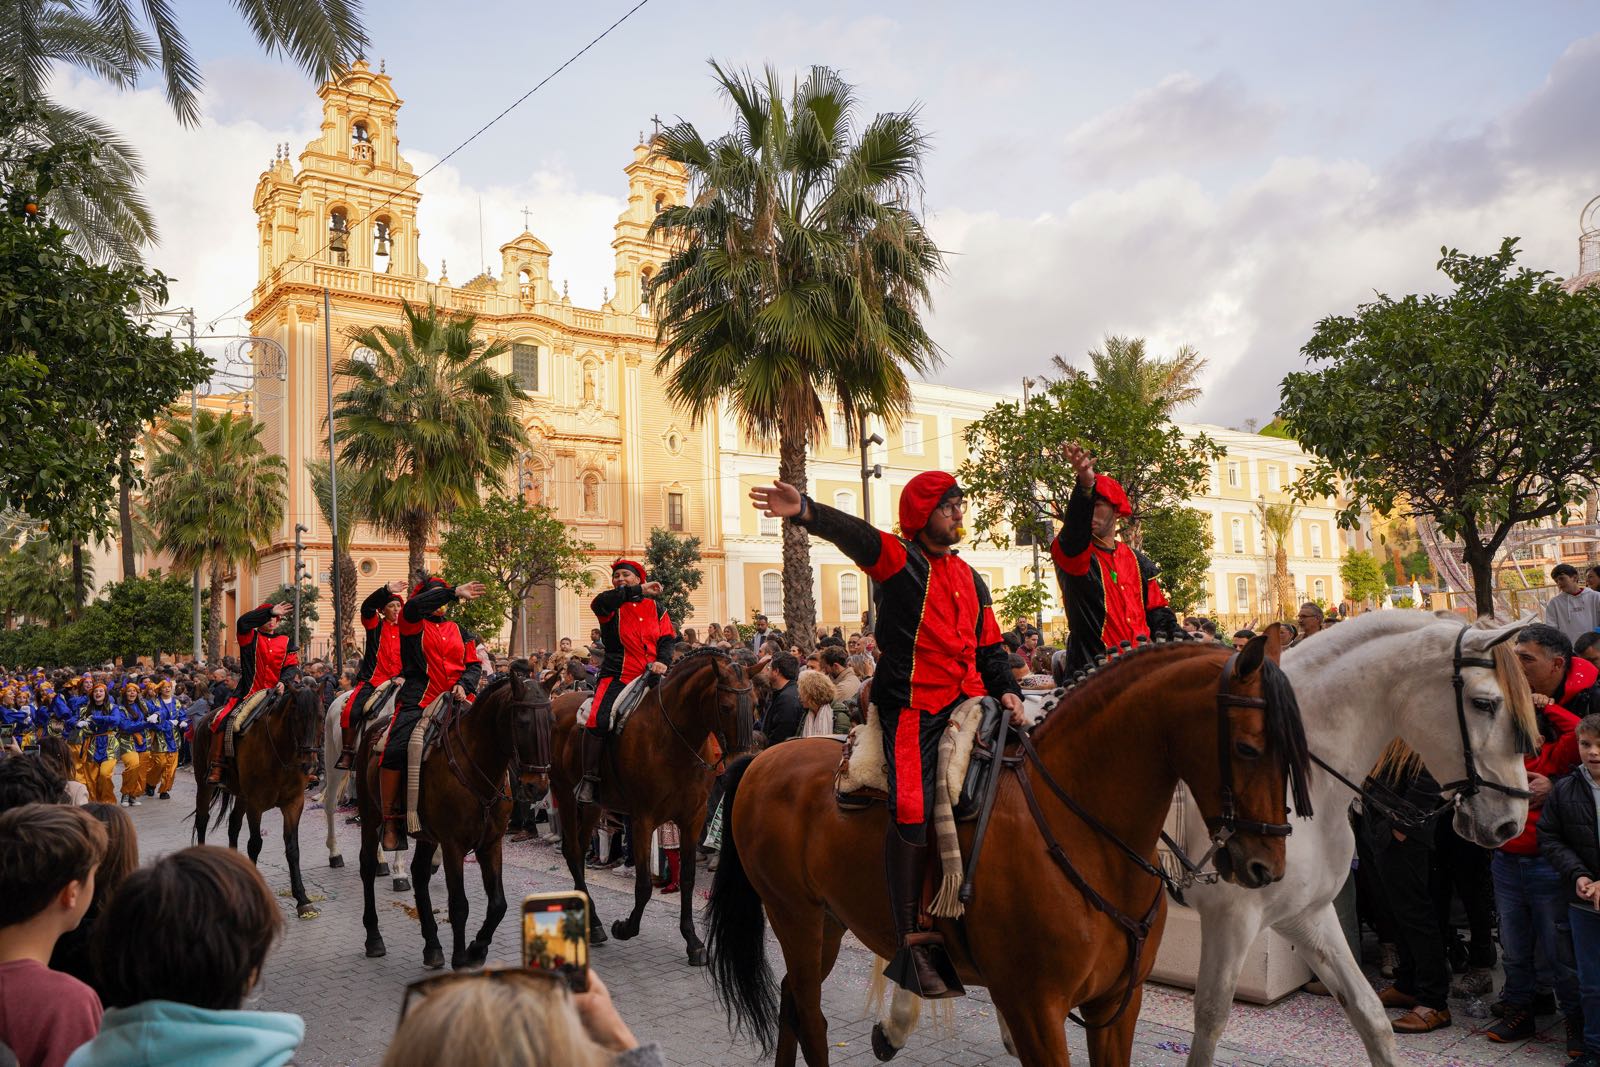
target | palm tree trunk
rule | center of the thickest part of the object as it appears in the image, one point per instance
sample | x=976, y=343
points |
x=1280, y=574
x=799, y=608
x=214, y=623
x=416, y=547
x=125, y=513
x=347, y=596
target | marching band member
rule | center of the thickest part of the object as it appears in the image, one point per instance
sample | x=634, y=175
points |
x=98, y=723
x=267, y=660
x=166, y=720
x=940, y=645
x=436, y=656
x=131, y=744
x=380, y=617
x=638, y=637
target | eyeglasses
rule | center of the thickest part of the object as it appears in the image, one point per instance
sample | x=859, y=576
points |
x=420, y=989
x=952, y=507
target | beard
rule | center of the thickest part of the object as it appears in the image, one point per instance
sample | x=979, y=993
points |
x=944, y=540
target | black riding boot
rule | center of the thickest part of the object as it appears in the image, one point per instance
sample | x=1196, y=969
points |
x=594, y=746
x=921, y=966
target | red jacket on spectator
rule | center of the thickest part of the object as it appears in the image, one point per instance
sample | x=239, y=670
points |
x=1558, y=757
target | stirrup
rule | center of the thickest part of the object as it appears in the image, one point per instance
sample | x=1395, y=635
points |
x=215, y=776
x=587, y=791
x=922, y=967
x=346, y=760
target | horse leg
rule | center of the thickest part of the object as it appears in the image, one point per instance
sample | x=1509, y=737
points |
x=1039, y=1034
x=1316, y=933
x=804, y=940
x=291, y=850
x=421, y=869
x=494, y=889
x=575, y=831
x=455, y=884
x=202, y=807
x=235, y=822
x=401, y=882
x=642, y=832
x=1112, y=1046
x=1226, y=936
x=253, y=845
x=691, y=937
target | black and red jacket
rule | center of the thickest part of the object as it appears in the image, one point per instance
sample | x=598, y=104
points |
x=435, y=653
x=936, y=629
x=264, y=659
x=635, y=631
x=381, y=660
x=1111, y=595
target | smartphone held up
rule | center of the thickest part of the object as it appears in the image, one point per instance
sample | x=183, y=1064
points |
x=555, y=936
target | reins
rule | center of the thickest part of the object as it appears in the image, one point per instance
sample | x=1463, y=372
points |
x=744, y=694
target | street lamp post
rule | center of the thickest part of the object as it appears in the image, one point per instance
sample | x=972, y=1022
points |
x=1034, y=532
x=867, y=474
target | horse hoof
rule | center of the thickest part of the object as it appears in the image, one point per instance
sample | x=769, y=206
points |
x=309, y=911
x=460, y=963
x=597, y=935
x=433, y=958
x=383, y=870
x=375, y=949
x=697, y=957
x=621, y=932
x=477, y=954
x=335, y=861
x=880, y=1044
x=402, y=885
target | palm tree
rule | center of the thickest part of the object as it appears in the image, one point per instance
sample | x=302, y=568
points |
x=118, y=41
x=322, y=487
x=215, y=494
x=36, y=582
x=1124, y=366
x=1278, y=522
x=425, y=423
x=798, y=273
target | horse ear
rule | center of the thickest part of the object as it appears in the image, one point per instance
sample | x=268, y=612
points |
x=1487, y=632
x=1276, y=635
x=1251, y=657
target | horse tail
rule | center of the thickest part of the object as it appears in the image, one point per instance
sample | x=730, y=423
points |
x=221, y=800
x=736, y=935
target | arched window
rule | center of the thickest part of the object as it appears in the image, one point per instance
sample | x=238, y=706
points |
x=771, y=594
x=359, y=134
x=845, y=501
x=525, y=285
x=1319, y=589
x=360, y=142
x=591, y=493
x=382, y=240
x=339, y=237
x=661, y=202
x=1241, y=595
x=849, y=597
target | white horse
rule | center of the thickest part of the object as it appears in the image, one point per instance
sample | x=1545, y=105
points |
x=1360, y=685
x=333, y=786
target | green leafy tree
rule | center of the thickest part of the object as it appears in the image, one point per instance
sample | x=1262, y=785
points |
x=80, y=377
x=215, y=494
x=1473, y=406
x=515, y=549
x=1363, y=578
x=425, y=423
x=322, y=489
x=148, y=616
x=674, y=561
x=36, y=581
x=1025, y=601
x=309, y=594
x=798, y=274
x=1179, y=539
x=119, y=42
x=1015, y=455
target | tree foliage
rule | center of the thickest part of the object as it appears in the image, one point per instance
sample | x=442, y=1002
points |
x=674, y=561
x=1024, y=601
x=322, y=488
x=1124, y=366
x=1278, y=522
x=36, y=581
x=1179, y=539
x=515, y=549
x=1474, y=406
x=150, y=615
x=1363, y=578
x=80, y=376
x=310, y=592
x=799, y=271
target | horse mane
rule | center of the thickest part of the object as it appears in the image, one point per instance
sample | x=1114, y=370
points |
x=1519, y=697
x=694, y=656
x=1281, y=716
x=518, y=666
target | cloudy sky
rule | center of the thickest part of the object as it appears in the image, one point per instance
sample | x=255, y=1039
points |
x=1221, y=175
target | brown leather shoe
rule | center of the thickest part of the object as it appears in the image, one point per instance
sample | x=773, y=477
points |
x=1421, y=1020
x=1393, y=998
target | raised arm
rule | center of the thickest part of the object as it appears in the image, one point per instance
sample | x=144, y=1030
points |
x=253, y=619
x=1070, y=548
x=881, y=555
x=608, y=601
x=373, y=606
x=427, y=602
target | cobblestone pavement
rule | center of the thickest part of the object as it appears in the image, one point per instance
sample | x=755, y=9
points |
x=350, y=1003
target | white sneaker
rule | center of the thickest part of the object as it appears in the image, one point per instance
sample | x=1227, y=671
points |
x=1388, y=960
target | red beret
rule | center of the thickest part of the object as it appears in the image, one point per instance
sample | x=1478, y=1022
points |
x=430, y=580
x=1110, y=490
x=630, y=565
x=921, y=495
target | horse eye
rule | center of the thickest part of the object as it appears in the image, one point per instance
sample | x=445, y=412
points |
x=1486, y=704
x=1246, y=751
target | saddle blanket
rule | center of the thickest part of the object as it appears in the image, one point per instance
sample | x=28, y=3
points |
x=379, y=708
x=863, y=765
x=623, y=706
x=244, y=716
x=424, y=738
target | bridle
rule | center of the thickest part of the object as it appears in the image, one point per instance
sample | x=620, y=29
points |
x=744, y=711
x=1403, y=812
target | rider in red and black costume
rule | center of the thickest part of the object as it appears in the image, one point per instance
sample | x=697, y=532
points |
x=940, y=645
x=1110, y=588
x=380, y=617
x=436, y=655
x=638, y=637
x=267, y=660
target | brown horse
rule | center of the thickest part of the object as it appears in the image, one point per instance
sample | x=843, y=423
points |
x=271, y=769
x=1066, y=911
x=660, y=770
x=465, y=803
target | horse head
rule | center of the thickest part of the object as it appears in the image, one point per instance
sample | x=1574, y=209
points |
x=531, y=729
x=1261, y=756
x=727, y=689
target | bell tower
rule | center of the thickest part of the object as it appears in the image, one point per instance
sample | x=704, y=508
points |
x=653, y=184
x=353, y=169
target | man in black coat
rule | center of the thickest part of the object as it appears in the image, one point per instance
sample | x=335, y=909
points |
x=784, y=713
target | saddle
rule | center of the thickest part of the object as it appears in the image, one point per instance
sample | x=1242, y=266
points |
x=972, y=737
x=379, y=708
x=424, y=739
x=624, y=705
x=244, y=716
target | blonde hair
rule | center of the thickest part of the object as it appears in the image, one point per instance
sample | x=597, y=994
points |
x=502, y=1021
x=816, y=690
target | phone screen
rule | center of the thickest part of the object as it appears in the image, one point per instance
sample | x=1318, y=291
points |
x=555, y=936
